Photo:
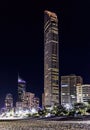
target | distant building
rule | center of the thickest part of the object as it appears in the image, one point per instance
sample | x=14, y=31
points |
x=51, y=59
x=69, y=88
x=86, y=93
x=36, y=102
x=28, y=100
x=19, y=105
x=9, y=101
x=21, y=89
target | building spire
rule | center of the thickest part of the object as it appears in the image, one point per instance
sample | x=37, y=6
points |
x=20, y=79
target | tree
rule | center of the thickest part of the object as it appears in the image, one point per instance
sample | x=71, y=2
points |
x=58, y=110
x=42, y=112
x=80, y=108
x=71, y=113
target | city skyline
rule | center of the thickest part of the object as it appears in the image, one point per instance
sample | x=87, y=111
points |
x=22, y=43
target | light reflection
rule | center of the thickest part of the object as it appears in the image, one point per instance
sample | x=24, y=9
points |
x=17, y=114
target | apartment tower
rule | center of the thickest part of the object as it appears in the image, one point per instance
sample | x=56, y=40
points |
x=70, y=92
x=51, y=59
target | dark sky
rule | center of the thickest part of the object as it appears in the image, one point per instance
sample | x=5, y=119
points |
x=22, y=44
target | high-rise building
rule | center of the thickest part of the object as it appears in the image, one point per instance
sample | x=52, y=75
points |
x=51, y=59
x=69, y=91
x=79, y=93
x=9, y=101
x=21, y=88
x=86, y=93
x=28, y=101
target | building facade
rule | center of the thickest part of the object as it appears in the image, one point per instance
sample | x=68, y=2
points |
x=51, y=59
x=79, y=93
x=21, y=89
x=28, y=100
x=9, y=101
x=86, y=93
x=69, y=86
x=19, y=105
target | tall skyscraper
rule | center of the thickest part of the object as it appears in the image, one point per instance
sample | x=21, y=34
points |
x=21, y=88
x=69, y=85
x=51, y=59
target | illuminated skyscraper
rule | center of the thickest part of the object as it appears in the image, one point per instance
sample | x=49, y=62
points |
x=21, y=89
x=51, y=59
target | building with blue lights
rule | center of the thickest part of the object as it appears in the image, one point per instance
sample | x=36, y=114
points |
x=21, y=89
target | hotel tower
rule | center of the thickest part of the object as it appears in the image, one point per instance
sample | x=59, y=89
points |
x=51, y=59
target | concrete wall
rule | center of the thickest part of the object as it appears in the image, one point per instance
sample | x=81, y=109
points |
x=44, y=125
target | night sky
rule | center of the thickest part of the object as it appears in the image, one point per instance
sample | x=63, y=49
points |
x=22, y=42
